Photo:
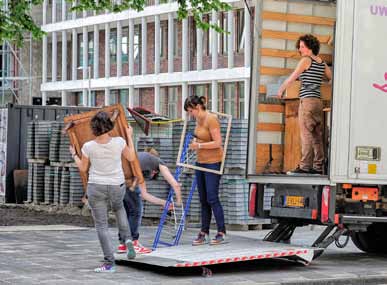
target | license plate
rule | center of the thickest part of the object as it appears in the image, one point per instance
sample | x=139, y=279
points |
x=294, y=201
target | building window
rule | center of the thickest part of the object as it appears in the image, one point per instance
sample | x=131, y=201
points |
x=176, y=48
x=203, y=90
x=207, y=35
x=136, y=97
x=136, y=44
x=192, y=35
x=114, y=96
x=229, y=96
x=169, y=98
x=113, y=45
x=74, y=99
x=241, y=100
x=119, y=96
x=232, y=99
x=163, y=101
x=163, y=38
x=223, y=37
x=90, y=50
x=125, y=44
x=173, y=98
x=124, y=97
x=239, y=30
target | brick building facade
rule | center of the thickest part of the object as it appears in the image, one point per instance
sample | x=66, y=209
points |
x=146, y=58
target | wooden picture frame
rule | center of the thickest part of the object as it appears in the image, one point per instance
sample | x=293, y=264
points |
x=225, y=145
x=79, y=131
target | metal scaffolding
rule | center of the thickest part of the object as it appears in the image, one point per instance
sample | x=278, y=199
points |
x=16, y=80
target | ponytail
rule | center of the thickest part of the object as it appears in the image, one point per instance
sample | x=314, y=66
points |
x=193, y=101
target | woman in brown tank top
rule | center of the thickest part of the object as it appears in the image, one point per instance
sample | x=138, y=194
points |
x=208, y=146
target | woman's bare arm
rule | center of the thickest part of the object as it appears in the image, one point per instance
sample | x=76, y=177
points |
x=172, y=181
x=303, y=64
x=82, y=163
x=129, y=152
x=149, y=197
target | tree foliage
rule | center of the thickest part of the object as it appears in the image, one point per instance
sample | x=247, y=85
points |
x=16, y=20
x=197, y=8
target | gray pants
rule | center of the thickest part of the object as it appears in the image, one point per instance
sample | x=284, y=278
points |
x=100, y=197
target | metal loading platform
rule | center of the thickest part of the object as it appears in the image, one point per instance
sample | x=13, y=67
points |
x=238, y=249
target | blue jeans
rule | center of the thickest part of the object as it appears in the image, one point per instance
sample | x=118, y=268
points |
x=100, y=197
x=133, y=206
x=208, y=187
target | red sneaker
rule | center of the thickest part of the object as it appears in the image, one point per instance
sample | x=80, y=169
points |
x=121, y=248
x=139, y=248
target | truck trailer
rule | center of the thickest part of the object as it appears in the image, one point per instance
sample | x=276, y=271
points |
x=350, y=198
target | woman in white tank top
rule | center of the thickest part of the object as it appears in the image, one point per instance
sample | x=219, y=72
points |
x=106, y=183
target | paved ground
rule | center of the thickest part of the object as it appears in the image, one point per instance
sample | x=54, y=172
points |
x=68, y=254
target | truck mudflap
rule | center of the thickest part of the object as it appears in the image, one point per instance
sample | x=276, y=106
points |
x=238, y=250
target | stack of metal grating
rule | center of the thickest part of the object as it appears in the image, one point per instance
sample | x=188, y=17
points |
x=64, y=153
x=30, y=140
x=42, y=134
x=30, y=183
x=76, y=187
x=48, y=184
x=38, y=183
x=236, y=156
x=64, y=195
x=234, y=189
x=55, y=140
x=52, y=175
x=57, y=181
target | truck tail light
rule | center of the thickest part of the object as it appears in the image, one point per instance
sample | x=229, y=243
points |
x=253, y=199
x=326, y=193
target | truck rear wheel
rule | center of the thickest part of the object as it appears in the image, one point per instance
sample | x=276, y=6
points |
x=374, y=240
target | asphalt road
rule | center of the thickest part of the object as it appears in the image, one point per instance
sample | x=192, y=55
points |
x=67, y=255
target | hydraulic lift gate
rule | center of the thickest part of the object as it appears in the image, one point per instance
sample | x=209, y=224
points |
x=237, y=250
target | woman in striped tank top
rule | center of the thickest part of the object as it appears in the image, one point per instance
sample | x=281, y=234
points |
x=310, y=70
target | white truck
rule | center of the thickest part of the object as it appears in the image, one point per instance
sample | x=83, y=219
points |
x=351, y=199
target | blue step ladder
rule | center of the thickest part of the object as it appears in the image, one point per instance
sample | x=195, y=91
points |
x=167, y=217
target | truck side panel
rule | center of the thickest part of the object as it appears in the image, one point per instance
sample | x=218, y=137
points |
x=359, y=143
x=369, y=92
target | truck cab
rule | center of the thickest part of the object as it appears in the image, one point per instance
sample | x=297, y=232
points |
x=350, y=198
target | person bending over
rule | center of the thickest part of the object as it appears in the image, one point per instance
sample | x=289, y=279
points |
x=151, y=166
